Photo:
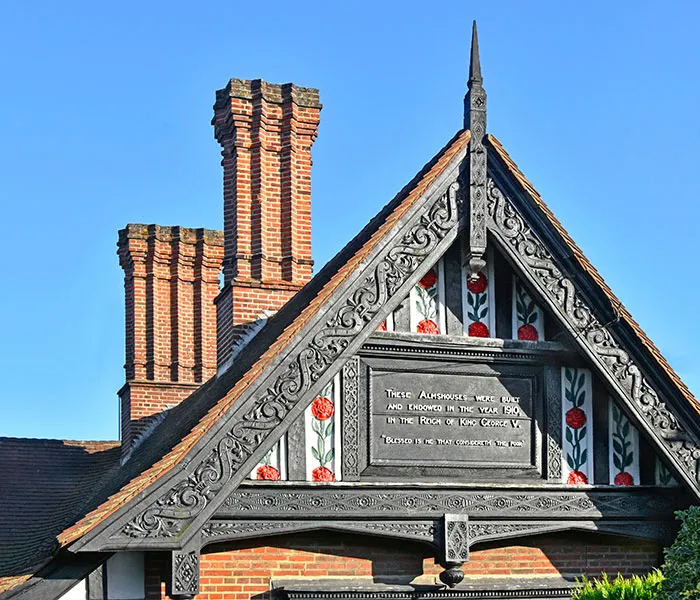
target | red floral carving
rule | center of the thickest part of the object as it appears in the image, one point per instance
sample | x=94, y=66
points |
x=576, y=477
x=427, y=326
x=322, y=408
x=428, y=280
x=382, y=326
x=478, y=329
x=478, y=285
x=624, y=479
x=575, y=418
x=268, y=473
x=322, y=474
x=528, y=332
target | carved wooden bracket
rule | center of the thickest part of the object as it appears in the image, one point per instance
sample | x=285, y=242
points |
x=184, y=571
x=455, y=548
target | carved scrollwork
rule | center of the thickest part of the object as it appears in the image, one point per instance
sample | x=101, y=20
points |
x=218, y=529
x=511, y=226
x=479, y=532
x=168, y=516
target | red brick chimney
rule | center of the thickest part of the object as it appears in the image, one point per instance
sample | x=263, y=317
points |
x=266, y=132
x=171, y=278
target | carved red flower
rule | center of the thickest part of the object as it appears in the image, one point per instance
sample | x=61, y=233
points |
x=428, y=279
x=322, y=408
x=528, y=332
x=575, y=418
x=478, y=330
x=382, y=326
x=624, y=479
x=478, y=285
x=427, y=326
x=268, y=473
x=322, y=474
x=576, y=477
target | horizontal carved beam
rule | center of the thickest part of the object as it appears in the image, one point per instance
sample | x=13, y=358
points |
x=349, y=501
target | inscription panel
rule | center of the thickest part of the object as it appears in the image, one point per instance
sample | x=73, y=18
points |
x=445, y=419
x=424, y=418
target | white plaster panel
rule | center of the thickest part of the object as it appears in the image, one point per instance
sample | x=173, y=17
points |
x=77, y=592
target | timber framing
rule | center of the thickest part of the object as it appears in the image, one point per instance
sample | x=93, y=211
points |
x=180, y=503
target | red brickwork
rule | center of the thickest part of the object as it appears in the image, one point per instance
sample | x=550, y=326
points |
x=171, y=278
x=266, y=132
x=240, y=573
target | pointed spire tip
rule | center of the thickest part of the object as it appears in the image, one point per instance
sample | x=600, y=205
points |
x=474, y=62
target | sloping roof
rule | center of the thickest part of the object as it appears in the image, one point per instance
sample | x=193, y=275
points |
x=186, y=424
x=586, y=265
x=42, y=491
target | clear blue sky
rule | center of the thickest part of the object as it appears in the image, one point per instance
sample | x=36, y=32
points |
x=105, y=121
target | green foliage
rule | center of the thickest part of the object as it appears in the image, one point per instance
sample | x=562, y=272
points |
x=682, y=566
x=647, y=587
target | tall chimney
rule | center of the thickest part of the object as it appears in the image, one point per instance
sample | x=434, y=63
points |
x=171, y=279
x=266, y=132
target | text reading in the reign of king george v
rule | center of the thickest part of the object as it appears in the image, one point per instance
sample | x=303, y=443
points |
x=418, y=424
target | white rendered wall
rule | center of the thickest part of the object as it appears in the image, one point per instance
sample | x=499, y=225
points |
x=78, y=592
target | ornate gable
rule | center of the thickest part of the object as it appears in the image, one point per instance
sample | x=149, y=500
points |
x=459, y=373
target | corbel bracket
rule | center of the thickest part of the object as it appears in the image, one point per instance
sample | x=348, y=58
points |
x=184, y=571
x=455, y=548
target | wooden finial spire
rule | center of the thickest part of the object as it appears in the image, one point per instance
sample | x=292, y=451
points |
x=474, y=247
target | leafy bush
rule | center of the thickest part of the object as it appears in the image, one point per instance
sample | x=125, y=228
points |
x=682, y=566
x=647, y=587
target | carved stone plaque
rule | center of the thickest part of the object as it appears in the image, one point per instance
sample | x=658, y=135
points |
x=451, y=419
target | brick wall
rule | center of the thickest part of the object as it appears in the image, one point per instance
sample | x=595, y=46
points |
x=171, y=279
x=237, y=572
x=266, y=132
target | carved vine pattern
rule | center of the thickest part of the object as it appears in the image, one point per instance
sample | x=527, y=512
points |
x=554, y=439
x=560, y=289
x=232, y=529
x=169, y=515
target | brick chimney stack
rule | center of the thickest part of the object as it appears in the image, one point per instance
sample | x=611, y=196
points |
x=266, y=132
x=171, y=279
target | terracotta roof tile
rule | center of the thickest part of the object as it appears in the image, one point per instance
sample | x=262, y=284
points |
x=594, y=274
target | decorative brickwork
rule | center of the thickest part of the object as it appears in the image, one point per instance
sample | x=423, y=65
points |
x=266, y=132
x=239, y=573
x=171, y=278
